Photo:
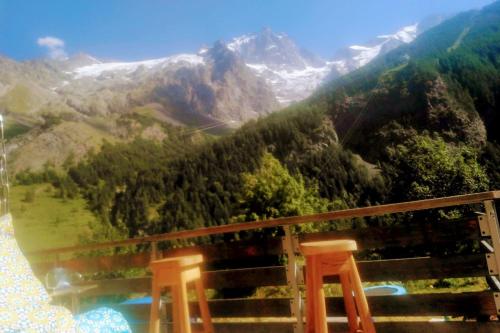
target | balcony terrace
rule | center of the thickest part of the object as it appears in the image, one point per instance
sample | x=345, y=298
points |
x=466, y=247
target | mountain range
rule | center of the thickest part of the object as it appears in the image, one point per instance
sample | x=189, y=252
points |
x=73, y=104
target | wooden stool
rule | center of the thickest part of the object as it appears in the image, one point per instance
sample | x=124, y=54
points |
x=177, y=273
x=327, y=258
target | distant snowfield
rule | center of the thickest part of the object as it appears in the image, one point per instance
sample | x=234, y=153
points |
x=96, y=70
x=368, y=53
x=406, y=35
x=299, y=83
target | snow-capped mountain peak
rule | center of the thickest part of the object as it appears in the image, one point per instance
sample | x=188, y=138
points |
x=237, y=43
x=275, y=50
x=292, y=72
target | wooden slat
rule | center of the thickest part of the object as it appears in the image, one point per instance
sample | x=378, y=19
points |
x=434, y=327
x=423, y=268
x=387, y=327
x=119, y=286
x=212, y=253
x=383, y=327
x=405, y=235
x=237, y=278
x=97, y=264
x=439, y=304
x=232, y=250
x=329, y=216
x=370, y=271
x=246, y=277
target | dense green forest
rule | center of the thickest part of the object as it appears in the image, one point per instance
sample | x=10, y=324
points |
x=420, y=122
x=287, y=164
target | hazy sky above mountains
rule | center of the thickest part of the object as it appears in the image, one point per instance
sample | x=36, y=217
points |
x=141, y=29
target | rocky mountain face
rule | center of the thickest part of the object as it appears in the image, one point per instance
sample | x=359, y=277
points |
x=191, y=89
x=294, y=73
x=40, y=98
x=276, y=50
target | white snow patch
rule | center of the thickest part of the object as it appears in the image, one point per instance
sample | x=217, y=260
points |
x=96, y=70
x=368, y=53
x=291, y=85
x=406, y=35
x=237, y=42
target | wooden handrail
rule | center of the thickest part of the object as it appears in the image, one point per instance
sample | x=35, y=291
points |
x=293, y=220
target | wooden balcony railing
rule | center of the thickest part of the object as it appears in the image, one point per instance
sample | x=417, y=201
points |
x=417, y=253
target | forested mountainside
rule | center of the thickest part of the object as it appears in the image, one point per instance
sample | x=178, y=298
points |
x=288, y=164
x=416, y=123
x=443, y=87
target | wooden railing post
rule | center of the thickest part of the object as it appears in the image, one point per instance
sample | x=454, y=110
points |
x=154, y=251
x=489, y=226
x=294, y=277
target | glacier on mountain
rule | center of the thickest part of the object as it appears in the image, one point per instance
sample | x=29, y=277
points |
x=360, y=55
x=291, y=85
x=97, y=69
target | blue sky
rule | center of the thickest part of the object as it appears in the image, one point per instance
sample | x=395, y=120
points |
x=141, y=29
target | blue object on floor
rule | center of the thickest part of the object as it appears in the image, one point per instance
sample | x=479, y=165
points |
x=102, y=320
x=142, y=300
x=386, y=289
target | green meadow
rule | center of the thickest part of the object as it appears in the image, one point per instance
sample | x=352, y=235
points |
x=42, y=220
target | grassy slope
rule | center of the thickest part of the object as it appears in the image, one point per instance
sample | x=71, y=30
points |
x=47, y=221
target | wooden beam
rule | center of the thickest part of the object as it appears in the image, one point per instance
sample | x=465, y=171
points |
x=232, y=250
x=119, y=286
x=370, y=271
x=383, y=327
x=410, y=234
x=212, y=253
x=97, y=264
x=422, y=268
x=438, y=304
